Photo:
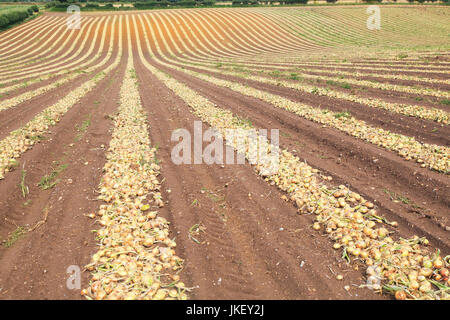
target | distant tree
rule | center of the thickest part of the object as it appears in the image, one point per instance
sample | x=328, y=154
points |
x=3, y=21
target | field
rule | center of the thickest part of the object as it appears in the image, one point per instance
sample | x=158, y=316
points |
x=358, y=207
x=8, y=7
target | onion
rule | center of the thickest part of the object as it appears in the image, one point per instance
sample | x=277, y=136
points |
x=444, y=272
x=367, y=231
x=427, y=264
x=438, y=263
x=364, y=254
x=382, y=232
x=176, y=277
x=425, y=286
x=400, y=295
x=414, y=285
x=412, y=275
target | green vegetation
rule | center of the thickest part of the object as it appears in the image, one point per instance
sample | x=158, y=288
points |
x=23, y=187
x=266, y=2
x=14, y=236
x=275, y=73
x=105, y=5
x=344, y=85
x=82, y=128
x=396, y=197
x=108, y=5
x=12, y=164
x=343, y=114
x=49, y=181
x=10, y=15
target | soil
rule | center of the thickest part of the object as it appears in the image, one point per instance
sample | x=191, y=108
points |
x=254, y=245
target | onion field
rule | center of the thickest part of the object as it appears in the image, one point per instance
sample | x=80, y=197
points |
x=358, y=207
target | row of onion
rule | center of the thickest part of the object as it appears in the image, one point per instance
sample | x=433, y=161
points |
x=136, y=257
x=347, y=217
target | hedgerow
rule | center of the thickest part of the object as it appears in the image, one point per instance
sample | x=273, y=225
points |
x=16, y=15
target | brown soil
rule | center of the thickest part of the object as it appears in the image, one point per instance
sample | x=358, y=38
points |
x=47, y=65
x=35, y=266
x=423, y=130
x=362, y=165
x=22, y=44
x=15, y=117
x=254, y=244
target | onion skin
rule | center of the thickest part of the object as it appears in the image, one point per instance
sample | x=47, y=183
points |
x=444, y=272
x=135, y=245
x=438, y=263
x=400, y=295
x=414, y=285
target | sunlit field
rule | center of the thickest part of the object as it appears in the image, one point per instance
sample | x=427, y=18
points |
x=102, y=175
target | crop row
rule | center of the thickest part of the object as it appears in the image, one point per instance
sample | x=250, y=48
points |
x=55, y=66
x=20, y=140
x=342, y=74
x=347, y=26
x=365, y=83
x=295, y=64
x=79, y=65
x=434, y=114
x=10, y=35
x=31, y=49
x=48, y=51
x=351, y=221
x=274, y=41
x=56, y=84
x=427, y=155
x=214, y=36
x=267, y=40
x=136, y=258
x=310, y=25
x=202, y=50
x=28, y=35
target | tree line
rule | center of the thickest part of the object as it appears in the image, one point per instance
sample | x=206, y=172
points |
x=12, y=16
